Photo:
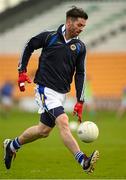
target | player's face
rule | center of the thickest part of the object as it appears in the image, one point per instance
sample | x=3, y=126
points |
x=76, y=26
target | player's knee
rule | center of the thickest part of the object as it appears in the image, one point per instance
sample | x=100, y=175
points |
x=62, y=123
x=43, y=131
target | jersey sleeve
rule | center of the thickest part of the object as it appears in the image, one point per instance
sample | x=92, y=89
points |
x=34, y=43
x=80, y=74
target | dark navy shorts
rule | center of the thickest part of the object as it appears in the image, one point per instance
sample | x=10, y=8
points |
x=49, y=116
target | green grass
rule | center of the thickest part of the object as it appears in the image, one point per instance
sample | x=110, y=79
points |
x=49, y=159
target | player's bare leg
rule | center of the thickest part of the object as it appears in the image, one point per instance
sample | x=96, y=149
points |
x=65, y=133
x=33, y=133
x=69, y=141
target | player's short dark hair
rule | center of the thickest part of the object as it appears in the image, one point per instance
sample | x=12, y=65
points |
x=76, y=12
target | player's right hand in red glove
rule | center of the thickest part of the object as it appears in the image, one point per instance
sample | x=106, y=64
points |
x=23, y=77
x=78, y=109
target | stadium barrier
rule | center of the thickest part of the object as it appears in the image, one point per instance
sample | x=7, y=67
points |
x=107, y=72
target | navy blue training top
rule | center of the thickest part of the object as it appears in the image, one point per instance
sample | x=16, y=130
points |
x=58, y=61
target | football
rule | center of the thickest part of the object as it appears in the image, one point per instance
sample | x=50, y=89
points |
x=88, y=131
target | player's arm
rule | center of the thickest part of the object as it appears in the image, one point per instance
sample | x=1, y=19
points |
x=79, y=83
x=34, y=43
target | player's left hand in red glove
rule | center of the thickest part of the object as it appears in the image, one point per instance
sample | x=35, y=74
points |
x=78, y=109
x=23, y=77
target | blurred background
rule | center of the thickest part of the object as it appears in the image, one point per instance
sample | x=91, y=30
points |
x=105, y=91
x=104, y=37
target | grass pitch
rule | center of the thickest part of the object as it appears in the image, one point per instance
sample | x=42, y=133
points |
x=49, y=159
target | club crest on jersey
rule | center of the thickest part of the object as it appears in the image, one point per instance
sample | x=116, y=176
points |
x=73, y=47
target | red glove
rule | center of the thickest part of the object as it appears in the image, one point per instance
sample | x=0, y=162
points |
x=78, y=109
x=21, y=80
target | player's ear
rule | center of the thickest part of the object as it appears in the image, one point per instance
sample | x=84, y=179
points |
x=68, y=21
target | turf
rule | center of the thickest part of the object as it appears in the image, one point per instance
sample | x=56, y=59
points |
x=49, y=159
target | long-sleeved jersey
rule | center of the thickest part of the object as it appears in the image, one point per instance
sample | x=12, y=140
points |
x=58, y=62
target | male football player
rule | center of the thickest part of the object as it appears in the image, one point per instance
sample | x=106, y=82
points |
x=63, y=54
